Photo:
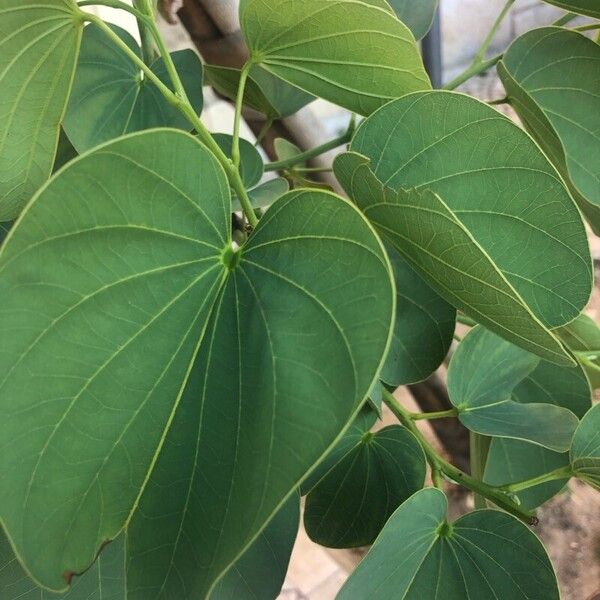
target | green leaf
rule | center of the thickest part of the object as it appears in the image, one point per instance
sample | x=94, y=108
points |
x=105, y=580
x=251, y=163
x=482, y=379
x=425, y=324
x=264, y=92
x=259, y=573
x=39, y=43
x=582, y=336
x=486, y=554
x=551, y=76
x=582, y=7
x=437, y=244
x=492, y=185
x=284, y=149
x=417, y=16
x=511, y=461
x=585, y=450
x=94, y=424
x=262, y=196
x=110, y=96
x=350, y=505
x=333, y=49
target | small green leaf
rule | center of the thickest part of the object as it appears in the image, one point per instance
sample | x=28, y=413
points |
x=483, y=376
x=285, y=150
x=487, y=555
x=418, y=16
x=39, y=43
x=585, y=450
x=350, y=505
x=251, y=163
x=333, y=49
x=260, y=571
x=551, y=76
x=425, y=323
x=264, y=92
x=111, y=97
x=265, y=194
x=583, y=7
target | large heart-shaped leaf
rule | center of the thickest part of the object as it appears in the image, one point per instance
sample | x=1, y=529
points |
x=425, y=323
x=264, y=92
x=497, y=234
x=126, y=371
x=418, y=16
x=551, y=76
x=511, y=461
x=585, y=450
x=351, y=503
x=583, y=7
x=333, y=49
x=482, y=379
x=487, y=555
x=39, y=42
x=582, y=336
x=110, y=97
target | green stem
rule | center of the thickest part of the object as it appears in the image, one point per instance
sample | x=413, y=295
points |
x=589, y=27
x=440, y=414
x=473, y=70
x=180, y=101
x=312, y=169
x=562, y=473
x=479, y=447
x=504, y=100
x=585, y=361
x=495, y=495
x=480, y=56
x=264, y=130
x=464, y=320
x=146, y=34
x=239, y=102
x=115, y=4
x=566, y=18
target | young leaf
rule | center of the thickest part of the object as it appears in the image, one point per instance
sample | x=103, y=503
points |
x=496, y=183
x=486, y=554
x=127, y=375
x=264, y=92
x=585, y=450
x=111, y=97
x=261, y=570
x=583, y=336
x=583, y=7
x=418, y=16
x=265, y=194
x=437, y=244
x=482, y=378
x=551, y=76
x=333, y=49
x=425, y=323
x=511, y=461
x=251, y=163
x=350, y=505
x=39, y=43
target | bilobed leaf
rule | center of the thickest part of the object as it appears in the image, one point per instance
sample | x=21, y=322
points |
x=417, y=16
x=511, y=461
x=259, y=573
x=484, y=555
x=333, y=49
x=551, y=76
x=349, y=506
x=483, y=377
x=425, y=323
x=264, y=92
x=439, y=246
x=585, y=450
x=126, y=374
x=39, y=43
x=111, y=97
x=583, y=7
x=490, y=179
x=251, y=163
x=104, y=580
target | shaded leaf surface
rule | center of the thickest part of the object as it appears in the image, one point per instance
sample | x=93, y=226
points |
x=417, y=16
x=583, y=335
x=39, y=43
x=251, y=163
x=583, y=7
x=419, y=555
x=585, y=451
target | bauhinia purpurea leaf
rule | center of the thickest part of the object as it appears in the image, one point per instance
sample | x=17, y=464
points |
x=483, y=376
x=417, y=16
x=356, y=54
x=551, y=76
x=591, y=8
x=110, y=97
x=39, y=43
x=585, y=450
x=470, y=201
x=486, y=554
x=128, y=380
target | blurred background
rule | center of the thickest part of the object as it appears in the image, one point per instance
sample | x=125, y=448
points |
x=570, y=523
